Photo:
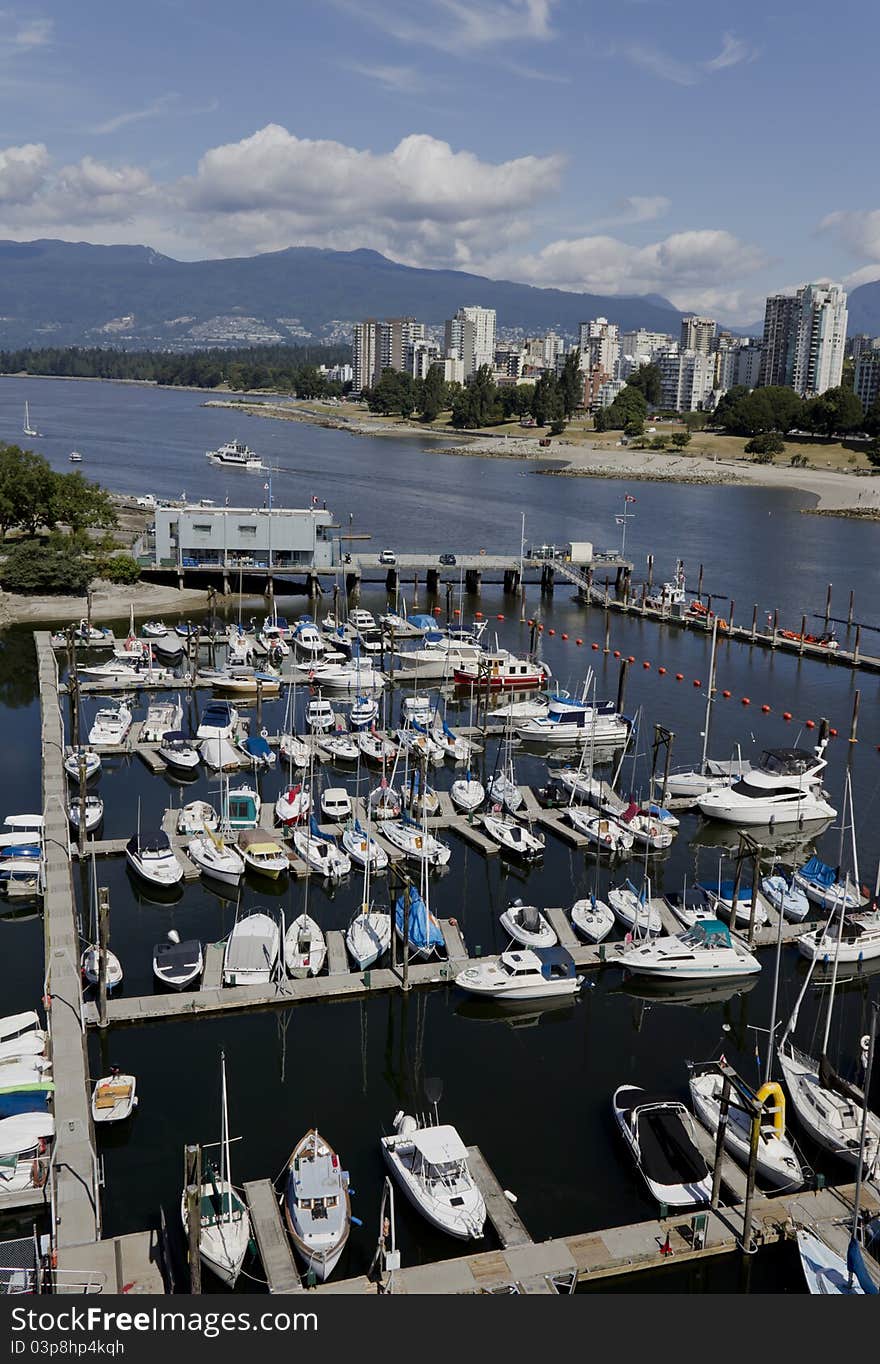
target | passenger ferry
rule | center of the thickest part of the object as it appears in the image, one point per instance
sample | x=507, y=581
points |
x=236, y=453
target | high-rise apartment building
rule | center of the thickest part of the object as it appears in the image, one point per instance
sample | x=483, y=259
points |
x=866, y=381
x=599, y=342
x=687, y=378
x=394, y=336
x=804, y=339
x=470, y=336
x=364, y=354
x=698, y=333
x=641, y=342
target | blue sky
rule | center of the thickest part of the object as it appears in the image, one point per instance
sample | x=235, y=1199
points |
x=707, y=153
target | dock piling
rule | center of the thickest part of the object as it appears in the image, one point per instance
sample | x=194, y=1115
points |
x=103, y=944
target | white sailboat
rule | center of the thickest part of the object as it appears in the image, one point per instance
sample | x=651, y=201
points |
x=225, y=1224
x=27, y=429
x=90, y=961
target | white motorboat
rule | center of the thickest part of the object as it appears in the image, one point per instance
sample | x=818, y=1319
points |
x=441, y=653
x=785, y=896
x=363, y=849
x=252, y=949
x=152, y=857
x=513, y=837
x=321, y=854
x=90, y=966
x=364, y=712
x=111, y=725
x=784, y=788
x=262, y=853
x=609, y=836
x=317, y=1207
x=417, y=710
x=220, y=755
x=169, y=646
x=178, y=752
x=94, y=813
x=858, y=941
x=467, y=794
x=362, y=619
x=235, y=454
x=241, y=682
x=708, y=951
x=218, y=721
x=196, y=817
x=224, y=1221
x=430, y=1165
x=574, y=723
x=162, y=716
x=305, y=947
x=320, y=715
x=777, y=1162
x=178, y=964
x=368, y=936
x=660, y=1133
x=114, y=1098
x=306, y=639
x=414, y=842
x=82, y=762
x=527, y=925
x=522, y=974
x=823, y=887
x=592, y=918
x=242, y=807
x=293, y=805
x=635, y=910
x=215, y=858
x=154, y=629
x=377, y=748
x=357, y=677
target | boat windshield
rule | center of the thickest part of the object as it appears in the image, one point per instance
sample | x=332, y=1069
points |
x=711, y=933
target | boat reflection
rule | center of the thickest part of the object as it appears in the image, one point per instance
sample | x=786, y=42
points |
x=775, y=838
x=517, y=1013
x=671, y=992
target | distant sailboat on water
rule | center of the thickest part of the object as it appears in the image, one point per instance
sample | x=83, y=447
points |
x=27, y=428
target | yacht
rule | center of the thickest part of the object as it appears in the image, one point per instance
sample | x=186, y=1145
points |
x=111, y=725
x=75, y=457
x=784, y=788
x=514, y=837
x=153, y=858
x=521, y=974
x=857, y=941
x=317, y=1206
x=236, y=454
x=178, y=752
x=574, y=722
x=500, y=669
x=708, y=951
x=218, y=721
x=441, y=654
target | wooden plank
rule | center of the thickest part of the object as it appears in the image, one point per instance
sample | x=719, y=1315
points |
x=507, y=1224
x=337, y=957
x=271, y=1237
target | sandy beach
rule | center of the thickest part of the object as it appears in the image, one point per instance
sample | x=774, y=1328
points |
x=109, y=601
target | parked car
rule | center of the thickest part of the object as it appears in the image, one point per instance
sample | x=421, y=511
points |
x=448, y=559
x=388, y=557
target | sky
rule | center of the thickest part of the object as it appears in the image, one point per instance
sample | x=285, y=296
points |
x=708, y=153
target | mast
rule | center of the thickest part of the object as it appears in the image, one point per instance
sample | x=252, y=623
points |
x=225, y=1172
x=860, y=1178
x=825, y=1035
x=772, y=1029
x=709, y=696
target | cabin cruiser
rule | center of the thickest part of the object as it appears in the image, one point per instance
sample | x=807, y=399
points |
x=528, y=926
x=708, y=951
x=575, y=722
x=320, y=715
x=317, y=1206
x=521, y=974
x=513, y=837
x=500, y=669
x=784, y=788
x=660, y=1133
x=162, y=716
x=178, y=964
x=686, y=787
x=858, y=940
x=236, y=455
x=111, y=725
x=430, y=1164
x=218, y=721
x=153, y=858
x=441, y=653
x=306, y=639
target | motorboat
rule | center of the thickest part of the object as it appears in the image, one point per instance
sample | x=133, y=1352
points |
x=252, y=949
x=607, y=834
x=501, y=669
x=777, y=1163
x=256, y=751
x=262, y=853
x=430, y=1165
x=178, y=964
x=362, y=619
x=635, y=910
x=196, y=817
x=784, y=788
x=305, y=947
x=111, y=725
x=114, y=1098
x=220, y=755
x=687, y=787
x=94, y=813
x=90, y=967
x=823, y=887
x=592, y=918
x=235, y=455
x=80, y=762
x=364, y=712
x=320, y=853
x=341, y=746
x=785, y=896
x=467, y=794
x=708, y=951
x=317, y=1207
x=215, y=858
x=178, y=752
x=513, y=837
x=22, y=829
x=368, y=936
x=441, y=653
x=527, y=925
x=660, y=1133
x=293, y=804
x=415, y=842
x=522, y=974
x=152, y=857
x=362, y=848
x=858, y=940
x=356, y=677
x=224, y=1221
x=218, y=721
x=168, y=646
x=241, y=682
x=243, y=806
x=162, y=716
x=415, y=925
x=306, y=639
x=574, y=723
x=154, y=629
x=320, y=715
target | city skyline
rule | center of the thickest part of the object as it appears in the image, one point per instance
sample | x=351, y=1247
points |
x=520, y=139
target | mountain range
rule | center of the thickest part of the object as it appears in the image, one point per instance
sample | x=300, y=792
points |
x=55, y=293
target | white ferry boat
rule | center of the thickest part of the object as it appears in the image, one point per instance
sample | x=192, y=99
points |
x=236, y=453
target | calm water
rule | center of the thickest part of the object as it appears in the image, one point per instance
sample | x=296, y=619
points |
x=532, y=1090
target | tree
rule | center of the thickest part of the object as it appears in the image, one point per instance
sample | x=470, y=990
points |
x=872, y=451
x=726, y=403
x=871, y=420
x=647, y=379
x=120, y=568
x=35, y=569
x=571, y=383
x=431, y=399
x=548, y=404
x=79, y=504
x=770, y=443
x=393, y=394
x=634, y=429
x=25, y=489
x=629, y=406
x=477, y=404
x=308, y=382
x=837, y=411
x=680, y=439
x=774, y=408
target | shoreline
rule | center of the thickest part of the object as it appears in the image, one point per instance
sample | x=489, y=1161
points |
x=109, y=601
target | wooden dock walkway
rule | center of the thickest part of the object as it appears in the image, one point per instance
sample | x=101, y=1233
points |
x=271, y=1236
x=506, y=1221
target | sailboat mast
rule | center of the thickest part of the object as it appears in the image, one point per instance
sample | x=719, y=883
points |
x=860, y=1177
x=225, y=1171
x=772, y=1029
x=709, y=696
x=825, y=1035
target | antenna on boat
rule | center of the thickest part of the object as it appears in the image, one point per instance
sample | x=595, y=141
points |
x=433, y=1093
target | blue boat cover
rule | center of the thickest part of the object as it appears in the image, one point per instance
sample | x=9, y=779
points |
x=856, y=1265
x=315, y=831
x=258, y=747
x=424, y=622
x=424, y=931
x=819, y=871
x=23, y=1101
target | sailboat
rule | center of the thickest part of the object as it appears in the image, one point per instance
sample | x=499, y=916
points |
x=225, y=1224
x=90, y=961
x=502, y=787
x=414, y=923
x=27, y=429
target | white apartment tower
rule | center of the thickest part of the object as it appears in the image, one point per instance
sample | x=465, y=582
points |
x=805, y=338
x=698, y=333
x=364, y=354
x=599, y=342
x=470, y=336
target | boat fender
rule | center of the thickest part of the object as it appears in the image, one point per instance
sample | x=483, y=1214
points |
x=777, y=1111
x=356, y=1221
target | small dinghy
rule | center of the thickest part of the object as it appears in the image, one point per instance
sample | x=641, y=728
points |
x=522, y=974
x=634, y=910
x=513, y=837
x=114, y=1097
x=252, y=950
x=317, y=1207
x=592, y=918
x=660, y=1133
x=262, y=853
x=607, y=834
x=528, y=926
x=90, y=965
x=178, y=752
x=305, y=947
x=178, y=964
x=94, y=813
x=467, y=794
x=293, y=805
x=368, y=936
x=82, y=760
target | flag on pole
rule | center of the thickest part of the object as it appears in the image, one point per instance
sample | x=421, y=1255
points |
x=618, y=520
x=629, y=498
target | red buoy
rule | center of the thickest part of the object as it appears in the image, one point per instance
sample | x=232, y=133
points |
x=679, y=677
x=766, y=710
x=833, y=733
x=564, y=636
x=617, y=653
x=580, y=641
x=478, y=615
x=810, y=724
x=499, y=616
x=726, y=694
x=592, y=646
x=531, y=622
x=646, y=664
x=697, y=682
x=786, y=715
x=746, y=701
x=549, y=632
x=662, y=672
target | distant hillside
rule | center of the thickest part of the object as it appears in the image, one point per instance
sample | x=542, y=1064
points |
x=864, y=309
x=72, y=293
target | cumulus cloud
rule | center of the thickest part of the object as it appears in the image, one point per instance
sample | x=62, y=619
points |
x=856, y=229
x=34, y=195
x=22, y=171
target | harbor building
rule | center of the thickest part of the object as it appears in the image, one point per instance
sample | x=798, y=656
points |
x=242, y=538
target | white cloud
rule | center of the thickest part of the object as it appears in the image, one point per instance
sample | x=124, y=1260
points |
x=456, y=25
x=733, y=51
x=22, y=171
x=659, y=63
x=34, y=196
x=157, y=108
x=856, y=229
x=635, y=208
x=399, y=80
x=33, y=33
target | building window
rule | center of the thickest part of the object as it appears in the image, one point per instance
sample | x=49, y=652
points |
x=247, y=530
x=202, y=528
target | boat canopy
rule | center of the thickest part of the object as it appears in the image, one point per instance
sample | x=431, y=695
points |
x=150, y=842
x=257, y=747
x=786, y=762
x=819, y=872
x=708, y=933
x=175, y=736
x=439, y=1145
x=425, y=622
